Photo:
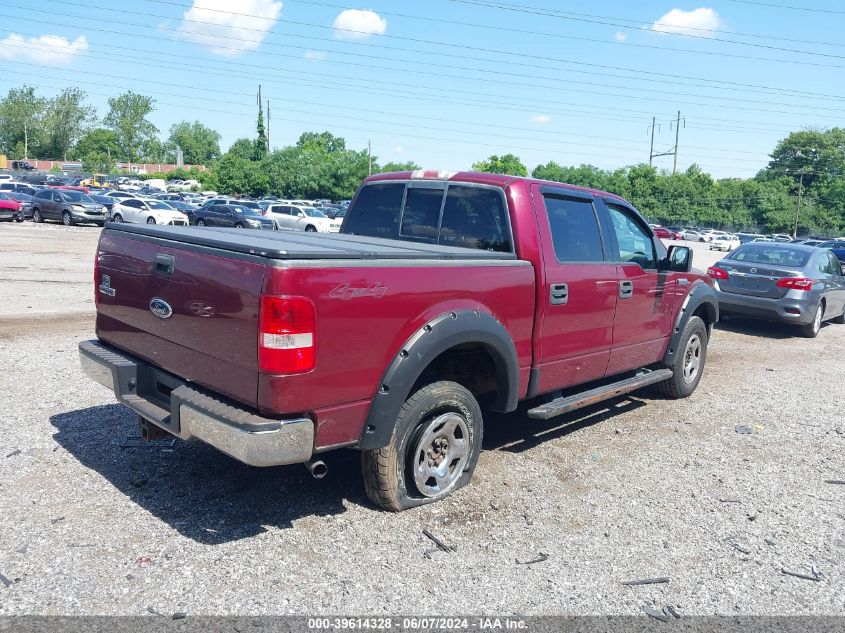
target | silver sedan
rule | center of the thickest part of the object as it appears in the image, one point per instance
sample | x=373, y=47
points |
x=789, y=283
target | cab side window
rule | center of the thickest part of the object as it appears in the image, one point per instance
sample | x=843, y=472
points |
x=575, y=229
x=635, y=243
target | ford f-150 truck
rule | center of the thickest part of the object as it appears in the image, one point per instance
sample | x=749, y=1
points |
x=444, y=295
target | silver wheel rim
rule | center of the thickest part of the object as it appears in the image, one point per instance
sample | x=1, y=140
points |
x=692, y=358
x=151, y=221
x=817, y=322
x=66, y=219
x=440, y=454
x=117, y=219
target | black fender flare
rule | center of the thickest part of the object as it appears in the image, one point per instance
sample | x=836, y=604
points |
x=701, y=294
x=435, y=337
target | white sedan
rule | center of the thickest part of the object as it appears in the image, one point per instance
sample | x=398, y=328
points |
x=301, y=218
x=149, y=211
x=724, y=243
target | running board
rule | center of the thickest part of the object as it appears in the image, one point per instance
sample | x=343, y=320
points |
x=570, y=403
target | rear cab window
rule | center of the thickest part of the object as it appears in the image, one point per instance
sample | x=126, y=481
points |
x=449, y=214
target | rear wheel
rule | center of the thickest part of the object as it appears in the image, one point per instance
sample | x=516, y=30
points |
x=311, y=229
x=239, y=225
x=433, y=451
x=688, y=364
x=200, y=222
x=117, y=218
x=151, y=220
x=36, y=216
x=811, y=330
x=67, y=218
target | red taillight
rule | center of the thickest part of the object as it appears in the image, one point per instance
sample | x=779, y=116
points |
x=796, y=283
x=287, y=335
x=717, y=273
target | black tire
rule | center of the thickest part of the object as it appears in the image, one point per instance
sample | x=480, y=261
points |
x=117, y=218
x=310, y=229
x=200, y=222
x=840, y=320
x=36, y=216
x=682, y=384
x=67, y=218
x=238, y=225
x=388, y=474
x=151, y=220
x=812, y=329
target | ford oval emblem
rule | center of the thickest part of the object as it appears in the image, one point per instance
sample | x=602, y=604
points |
x=160, y=308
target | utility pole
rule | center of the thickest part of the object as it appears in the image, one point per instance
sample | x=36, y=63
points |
x=651, y=149
x=370, y=157
x=677, y=134
x=25, y=142
x=798, y=206
x=674, y=150
x=268, y=126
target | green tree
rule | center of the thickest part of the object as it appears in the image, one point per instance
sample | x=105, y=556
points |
x=239, y=176
x=21, y=123
x=98, y=163
x=127, y=118
x=67, y=118
x=243, y=148
x=96, y=141
x=261, y=141
x=152, y=151
x=817, y=153
x=505, y=164
x=407, y=166
x=200, y=144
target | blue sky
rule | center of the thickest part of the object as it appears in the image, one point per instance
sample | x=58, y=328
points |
x=449, y=82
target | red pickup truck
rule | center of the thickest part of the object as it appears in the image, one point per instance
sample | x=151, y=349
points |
x=444, y=295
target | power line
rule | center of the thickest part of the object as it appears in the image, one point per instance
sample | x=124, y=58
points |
x=734, y=86
x=772, y=5
x=565, y=16
x=479, y=70
x=441, y=128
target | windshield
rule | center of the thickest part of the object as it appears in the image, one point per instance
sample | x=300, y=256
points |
x=158, y=204
x=314, y=213
x=76, y=196
x=759, y=253
x=242, y=210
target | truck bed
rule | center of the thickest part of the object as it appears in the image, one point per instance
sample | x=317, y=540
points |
x=300, y=245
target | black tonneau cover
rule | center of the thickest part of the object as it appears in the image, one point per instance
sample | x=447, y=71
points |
x=301, y=245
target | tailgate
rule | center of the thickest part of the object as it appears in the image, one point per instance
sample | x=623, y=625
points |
x=190, y=311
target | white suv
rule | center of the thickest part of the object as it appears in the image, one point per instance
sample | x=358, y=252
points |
x=301, y=218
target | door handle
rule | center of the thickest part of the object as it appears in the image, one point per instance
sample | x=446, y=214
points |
x=558, y=294
x=626, y=289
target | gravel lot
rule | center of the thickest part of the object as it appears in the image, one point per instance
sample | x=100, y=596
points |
x=637, y=488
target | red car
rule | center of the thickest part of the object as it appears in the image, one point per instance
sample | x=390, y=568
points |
x=665, y=234
x=10, y=209
x=71, y=188
x=445, y=296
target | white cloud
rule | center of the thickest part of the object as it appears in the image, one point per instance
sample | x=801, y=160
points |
x=703, y=22
x=316, y=56
x=356, y=24
x=620, y=36
x=228, y=28
x=542, y=119
x=46, y=49
x=399, y=149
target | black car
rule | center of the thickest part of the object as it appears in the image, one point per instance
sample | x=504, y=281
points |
x=69, y=206
x=232, y=215
x=22, y=165
x=334, y=212
x=106, y=201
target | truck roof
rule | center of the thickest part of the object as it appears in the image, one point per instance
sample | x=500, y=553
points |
x=482, y=178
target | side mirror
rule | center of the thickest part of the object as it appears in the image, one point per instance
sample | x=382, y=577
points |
x=679, y=259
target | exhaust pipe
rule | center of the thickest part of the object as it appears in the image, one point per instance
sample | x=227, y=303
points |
x=317, y=468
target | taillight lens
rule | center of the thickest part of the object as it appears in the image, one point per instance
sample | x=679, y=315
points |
x=287, y=335
x=796, y=283
x=717, y=273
